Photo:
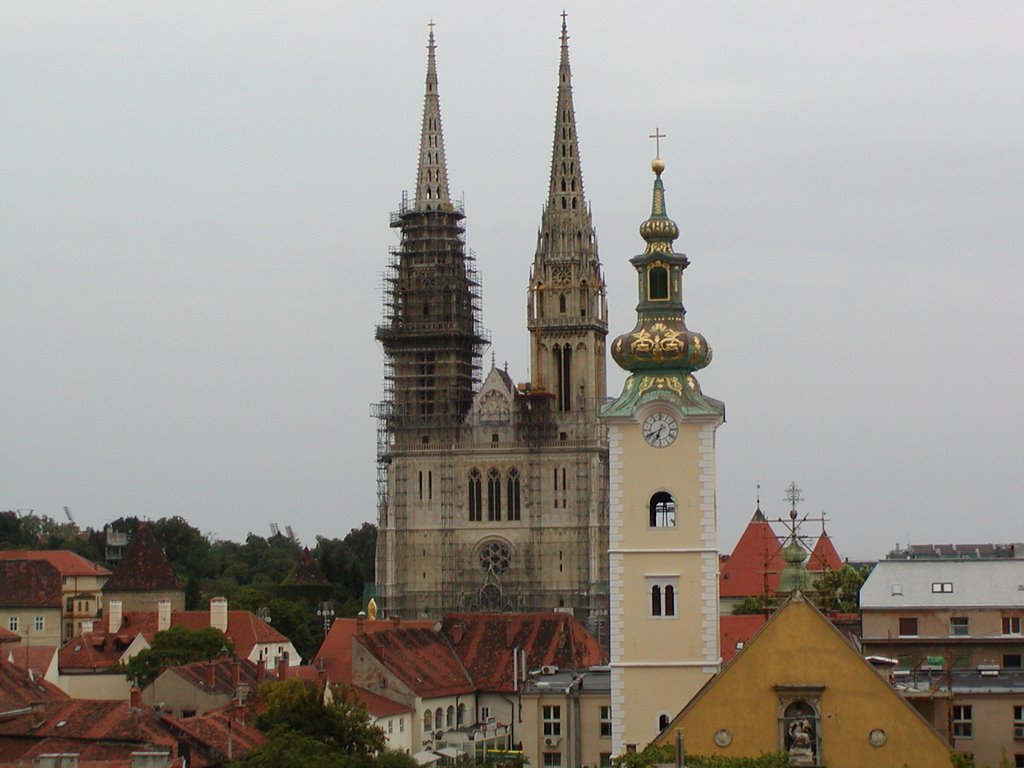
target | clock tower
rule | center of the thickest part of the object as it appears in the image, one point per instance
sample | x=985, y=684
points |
x=663, y=542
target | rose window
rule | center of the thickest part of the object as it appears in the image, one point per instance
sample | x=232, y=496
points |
x=495, y=557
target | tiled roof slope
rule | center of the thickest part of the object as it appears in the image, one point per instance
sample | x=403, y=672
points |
x=92, y=651
x=421, y=658
x=64, y=560
x=377, y=705
x=306, y=572
x=17, y=690
x=198, y=675
x=34, y=658
x=734, y=629
x=754, y=566
x=210, y=734
x=29, y=584
x=486, y=642
x=336, y=650
x=143, y=566
x=824, y=556
x=6, y=636
x=975, y=584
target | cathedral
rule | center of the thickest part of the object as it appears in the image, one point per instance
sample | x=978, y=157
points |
x=492, y=494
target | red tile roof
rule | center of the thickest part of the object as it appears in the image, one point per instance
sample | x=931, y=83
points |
x=36, y=658
x=198, y=675
x=214, y=734
x=754, y=566
x=143, y=566
x=824, y=556
x=29, y=584
x=421, y=658
x=6, y=636
x=734, y=629
x=485, y=643
x=18, y=690
x=336, y=651
x=100, y=649
x=64, y=560
x=377, y=705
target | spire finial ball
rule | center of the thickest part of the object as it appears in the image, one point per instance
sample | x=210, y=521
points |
x=657, y=165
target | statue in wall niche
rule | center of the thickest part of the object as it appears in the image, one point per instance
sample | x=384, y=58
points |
x=801, y=742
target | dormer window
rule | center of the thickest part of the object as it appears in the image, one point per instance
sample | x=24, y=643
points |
x=657, y=284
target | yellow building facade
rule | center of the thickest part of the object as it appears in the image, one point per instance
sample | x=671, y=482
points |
x=800, y=687
x=663, y=544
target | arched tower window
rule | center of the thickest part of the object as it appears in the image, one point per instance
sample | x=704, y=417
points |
x=475, y=496
x=512, y=496
x=663, y=721
x=662, y=510
x=439, y=718
x=561, y=303
x=657, y=284
x=428, y=722
x=493, y=494
x=450, y=716
x=656, y=600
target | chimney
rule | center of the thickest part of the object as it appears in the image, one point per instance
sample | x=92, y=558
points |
x=86, y=626
x=219, y=613
x=135, y=698
x=236, y=673
x=163, y=615
x=396, y=621
x=115, y=615
x=239, y=712
x=211, y=673
x=282, y=665
x=360, y=623
x=38, y=713
x=261, y=671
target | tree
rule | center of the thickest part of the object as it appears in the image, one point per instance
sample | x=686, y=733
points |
x=652, y=754
x=173, y=647
x=751, y=605
x=839, y=591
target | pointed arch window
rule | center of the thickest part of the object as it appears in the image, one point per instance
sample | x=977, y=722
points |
x=475, y=496
x=657, y=284
x=512, y=495
x=662, y=509
x=561, y=303
x=493, y=495
x=663, y=591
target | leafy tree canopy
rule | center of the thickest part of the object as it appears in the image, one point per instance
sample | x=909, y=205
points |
x=652, y=754
x=839, y=591
x=173, y=647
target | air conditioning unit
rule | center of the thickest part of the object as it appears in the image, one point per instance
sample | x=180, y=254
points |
x=548, y=669
x=551, y=741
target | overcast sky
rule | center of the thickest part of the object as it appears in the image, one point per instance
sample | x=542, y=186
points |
x=194, y=203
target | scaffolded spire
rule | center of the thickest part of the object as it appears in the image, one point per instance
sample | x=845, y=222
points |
x=566, y=189
x=432, y=174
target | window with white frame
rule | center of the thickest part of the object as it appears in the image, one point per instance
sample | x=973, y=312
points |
x=662, y=591
x=552, y=719
x=1011, y=625
x=39, y=624
x=959, y=626
x=943, y=587
x=391, y=726
x=662, y=510
x=963, y=721
x=12, y=623
x=401, y=725
x=552, y=759
x=485, y=712
x=606, y=722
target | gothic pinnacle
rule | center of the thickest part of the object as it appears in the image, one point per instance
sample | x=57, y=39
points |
x=432, y=172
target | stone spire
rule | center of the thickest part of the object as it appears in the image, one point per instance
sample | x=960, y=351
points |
x=566, y=189
x=432, y=173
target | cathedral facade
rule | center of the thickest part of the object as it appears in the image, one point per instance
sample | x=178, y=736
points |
x=493, y=495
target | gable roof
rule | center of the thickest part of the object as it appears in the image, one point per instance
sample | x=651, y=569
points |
x=486, y=643
x=421, y=658
x=143, y=567
x=198, y=675
x=18, y=690
x=68, y=563
x=754, y=566
x=29, y=584
x=735, y=629
x=31, y=658
x=377, y=705
x=335, y=652
x=974, y=584
x=824, y=556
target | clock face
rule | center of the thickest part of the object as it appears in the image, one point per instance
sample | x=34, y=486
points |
x=660, y=429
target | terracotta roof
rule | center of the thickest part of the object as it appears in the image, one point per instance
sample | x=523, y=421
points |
x=143, y=567
x=64, y=560
x=18, y=690
x=198, y=675
x=336, y=650
x=485, y=643
x=6, y=636
x=754, y=566
x=824, y=556
x=377, y=705
x=99, y=649
x=421, y=658
x=29, y=584
x=210, y=733
x=738, y=629
x=36, y=658
x=306, y=572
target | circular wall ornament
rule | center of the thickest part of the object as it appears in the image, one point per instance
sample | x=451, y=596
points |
x=876, y=737
x=723, y=737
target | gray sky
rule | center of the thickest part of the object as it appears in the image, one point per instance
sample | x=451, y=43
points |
x=194, y=204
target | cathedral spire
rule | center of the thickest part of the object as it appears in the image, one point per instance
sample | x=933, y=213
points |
x=432, y=173
x=566, y=189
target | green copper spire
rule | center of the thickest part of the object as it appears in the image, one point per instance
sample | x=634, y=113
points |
x=660, y=351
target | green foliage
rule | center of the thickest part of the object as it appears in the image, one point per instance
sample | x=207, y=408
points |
x=173, y=647
x=961, y=760
x=296, y=707
x=751, y=605
x=839, y=591
x=392, y=758
x=652, y=754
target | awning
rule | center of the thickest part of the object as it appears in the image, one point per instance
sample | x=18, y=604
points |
x=425, y=758
x=449, y=752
